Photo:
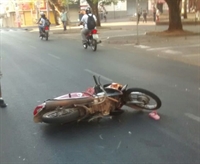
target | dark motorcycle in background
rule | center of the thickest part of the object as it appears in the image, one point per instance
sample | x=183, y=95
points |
x=95, y=103
x=92, y=40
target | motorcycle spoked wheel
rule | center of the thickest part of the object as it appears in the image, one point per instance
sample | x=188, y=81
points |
x=94, y=44
x=146, y=99
x=61, y=117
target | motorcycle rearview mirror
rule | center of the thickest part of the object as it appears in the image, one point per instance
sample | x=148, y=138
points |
x=124, y=87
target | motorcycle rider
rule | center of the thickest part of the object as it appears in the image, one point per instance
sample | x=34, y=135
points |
x=84, y=22
x=41, y=22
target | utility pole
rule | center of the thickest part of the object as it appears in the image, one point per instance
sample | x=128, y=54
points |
x=137, y=42
x=47, y=8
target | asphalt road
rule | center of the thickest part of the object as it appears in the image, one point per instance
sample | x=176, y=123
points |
x=35, y=70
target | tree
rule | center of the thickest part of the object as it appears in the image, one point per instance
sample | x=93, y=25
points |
x=94, y=5
x=58, y=5
x=175, y=23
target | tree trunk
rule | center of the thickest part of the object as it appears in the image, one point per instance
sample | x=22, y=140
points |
x=94, y=6
x=54, y=13
x=175, y=23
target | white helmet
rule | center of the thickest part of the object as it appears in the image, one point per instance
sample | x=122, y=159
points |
x=42, y=13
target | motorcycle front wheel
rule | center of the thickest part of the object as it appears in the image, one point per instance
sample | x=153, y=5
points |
x=61, y=117
x=94, y=44
x=142, y=99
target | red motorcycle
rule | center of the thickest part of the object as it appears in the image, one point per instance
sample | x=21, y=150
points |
x=95, y=103
x=45, y=33
x=92, y=40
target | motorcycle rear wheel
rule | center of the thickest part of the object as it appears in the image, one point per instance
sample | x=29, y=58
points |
x=47, y=35
x=94, y=44
x=145, y=98
x=61, y=117
x=85, y=45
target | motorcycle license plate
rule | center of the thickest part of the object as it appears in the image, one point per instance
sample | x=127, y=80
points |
x=95, y=36
x=46, y=30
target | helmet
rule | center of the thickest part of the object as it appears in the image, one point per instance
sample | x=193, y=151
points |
x=87, y=10
x=42, y=13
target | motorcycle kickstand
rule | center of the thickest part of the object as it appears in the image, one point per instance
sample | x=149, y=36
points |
x=98, y=117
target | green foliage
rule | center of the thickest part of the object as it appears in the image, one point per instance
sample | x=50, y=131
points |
x=108, y=2
x=66, y=2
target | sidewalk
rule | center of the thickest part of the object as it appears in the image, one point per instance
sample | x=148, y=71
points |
x=124, y=23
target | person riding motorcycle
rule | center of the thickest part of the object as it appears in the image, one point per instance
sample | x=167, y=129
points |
x=83, y=22
x=42, y=22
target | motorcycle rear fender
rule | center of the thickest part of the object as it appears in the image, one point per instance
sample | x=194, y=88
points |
x=52, y=104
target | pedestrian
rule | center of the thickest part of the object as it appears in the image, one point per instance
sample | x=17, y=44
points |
x=157, y=15
x=154, y=13
x=63, y=17
x=80, y=14
x=144, y=14
x=103, y=11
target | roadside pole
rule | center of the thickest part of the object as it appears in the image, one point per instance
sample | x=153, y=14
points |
x=137, y=42
x=2, y=103
x=47, y=8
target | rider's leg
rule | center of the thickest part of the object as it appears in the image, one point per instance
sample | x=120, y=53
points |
x=40, y=29
x=84, y=32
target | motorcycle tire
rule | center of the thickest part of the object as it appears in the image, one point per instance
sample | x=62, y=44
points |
x=144, y=99
x=94, y=44
x=53, y=117
x=85, y=45
x=47, y=35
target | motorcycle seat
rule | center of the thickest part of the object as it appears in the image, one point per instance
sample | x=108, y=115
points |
x=113, y=92
x=68, y=102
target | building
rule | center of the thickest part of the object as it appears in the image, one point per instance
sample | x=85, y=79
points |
x=19, y=13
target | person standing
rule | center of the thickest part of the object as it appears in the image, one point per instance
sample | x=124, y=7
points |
x=144, y=14
x=63, y=17
x=154, y=13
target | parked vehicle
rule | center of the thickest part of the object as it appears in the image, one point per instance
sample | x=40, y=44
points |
x=95, y=103
x=92, y=40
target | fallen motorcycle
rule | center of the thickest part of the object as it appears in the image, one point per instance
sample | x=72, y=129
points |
x=95, y=103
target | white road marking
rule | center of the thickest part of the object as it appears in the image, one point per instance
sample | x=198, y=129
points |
x=94, y=73
x=54, y=56
x=192, y=116
x=172, y=52
x=142, y=46
x=163, y=48
x=192, y=55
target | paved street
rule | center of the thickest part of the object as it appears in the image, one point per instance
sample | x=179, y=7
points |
x=35, y=70
x=126, y=35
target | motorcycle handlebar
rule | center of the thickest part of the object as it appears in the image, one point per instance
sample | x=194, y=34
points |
x=95, y=80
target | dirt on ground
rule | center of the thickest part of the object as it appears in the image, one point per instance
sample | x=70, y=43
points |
x=174, y=33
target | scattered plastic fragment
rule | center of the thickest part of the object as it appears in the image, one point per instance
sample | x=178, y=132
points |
x=100, y=137
x=154, y=115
